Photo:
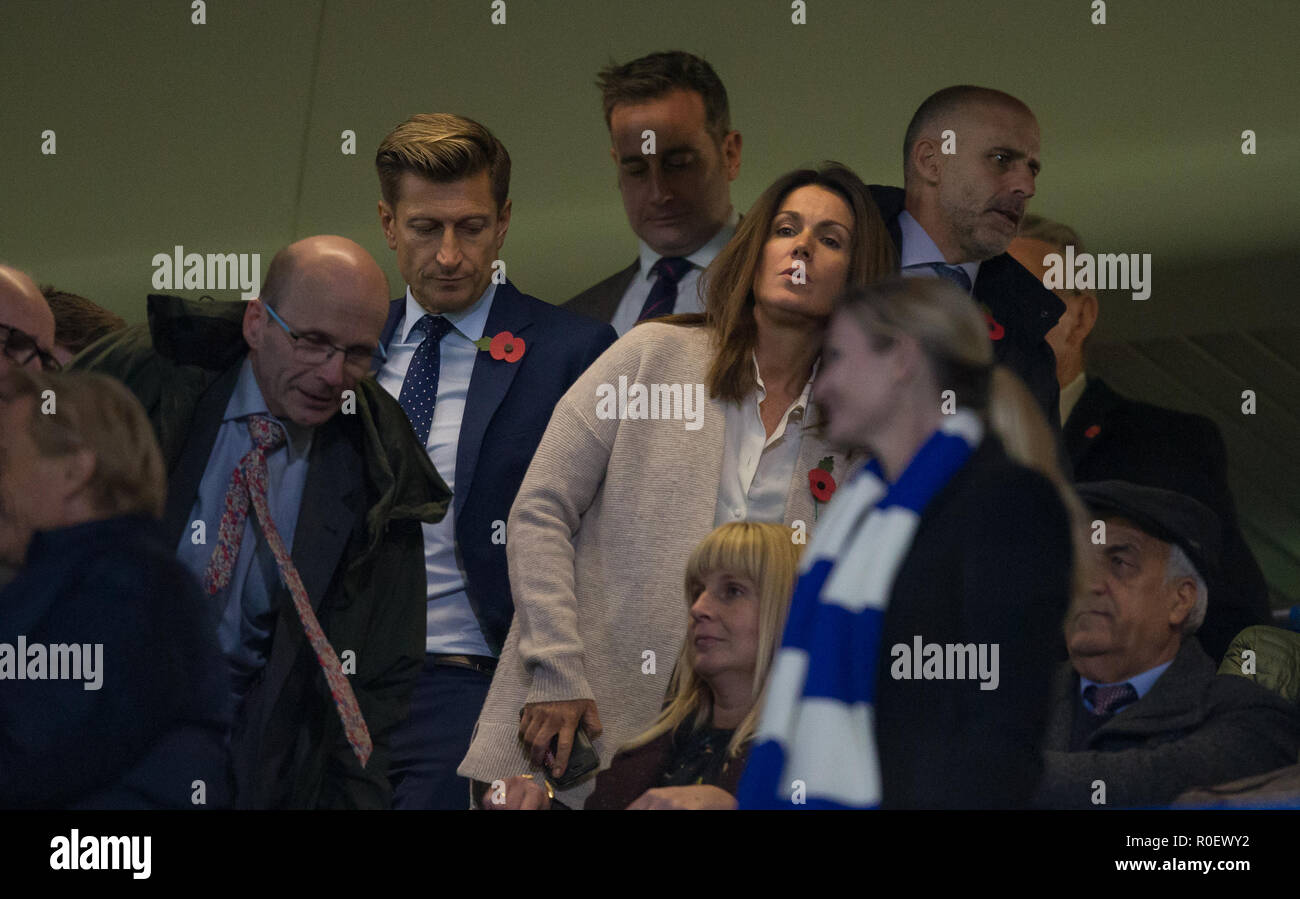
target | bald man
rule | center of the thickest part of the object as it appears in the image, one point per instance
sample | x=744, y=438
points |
x=321, y=670
x=26, y=323
x=970, y=163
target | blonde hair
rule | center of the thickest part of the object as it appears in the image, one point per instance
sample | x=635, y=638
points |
x=95, y=413
x=765, y=554
x=953, y=335
x=728, y=283
x=442, y=147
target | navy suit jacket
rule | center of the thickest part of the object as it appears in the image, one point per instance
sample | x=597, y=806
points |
x=507, y=409
x=1018, y=301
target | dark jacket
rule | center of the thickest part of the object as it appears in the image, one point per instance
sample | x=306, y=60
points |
x=1111, y=437
x=1193, y=728
x=358, y=547
x=158, y=720
x=1018, y=301
x=989, y=564
x=507, y=409
x=633, y=771
x=601, y=300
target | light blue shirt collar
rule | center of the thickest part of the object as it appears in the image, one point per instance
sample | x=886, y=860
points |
x=469, y=322
x=247, y=399
x=919, y=249
x=701, y=257
x=1142, y=682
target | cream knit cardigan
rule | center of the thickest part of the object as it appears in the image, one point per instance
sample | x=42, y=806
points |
x=597, y=542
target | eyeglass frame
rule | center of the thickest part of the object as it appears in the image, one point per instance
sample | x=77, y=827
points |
x=334, y=347
x=48, y=362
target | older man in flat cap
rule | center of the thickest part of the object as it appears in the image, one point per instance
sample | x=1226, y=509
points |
x=1139, y=714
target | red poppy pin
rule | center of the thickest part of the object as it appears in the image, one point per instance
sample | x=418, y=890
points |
x=821, y=483
x=996, y=331
x=1092, y=431
x=505, y=346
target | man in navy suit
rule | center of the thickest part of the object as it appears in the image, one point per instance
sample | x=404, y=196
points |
x=970, y=160
x=677, y=193
x=478, y=366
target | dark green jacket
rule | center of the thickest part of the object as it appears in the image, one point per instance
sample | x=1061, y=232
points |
x=358, y=547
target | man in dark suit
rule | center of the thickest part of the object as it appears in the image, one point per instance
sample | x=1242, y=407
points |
x=114, y=691
x=320, y=587
x=676, y=184
x=970, y=160
x=1111, y=437
x=1139, y=713
x=478, y=366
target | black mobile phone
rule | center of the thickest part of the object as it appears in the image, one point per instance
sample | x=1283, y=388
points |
x=582, y=758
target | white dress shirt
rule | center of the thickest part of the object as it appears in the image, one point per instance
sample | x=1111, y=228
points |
x=757, y=469
x=688, y=289
x=450, y=624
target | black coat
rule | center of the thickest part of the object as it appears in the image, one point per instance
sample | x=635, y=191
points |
x=989, y=563
x=1193, y=728
x=1018, y=301
x=1111, y=437
x=158, y=720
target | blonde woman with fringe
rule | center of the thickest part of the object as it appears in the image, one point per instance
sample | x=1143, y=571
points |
x=738, y=583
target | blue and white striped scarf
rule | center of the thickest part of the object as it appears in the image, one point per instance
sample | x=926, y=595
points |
x=816, y=740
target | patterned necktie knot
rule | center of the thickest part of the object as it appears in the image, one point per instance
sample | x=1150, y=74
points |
x=1107, y=700
x=671, y=268
x=435, y=327
x=954, y=273
x=267, y=433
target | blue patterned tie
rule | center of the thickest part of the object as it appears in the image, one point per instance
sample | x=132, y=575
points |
x=420, y=386
x=1110, y=699
x=663, y=295
x=954, y=273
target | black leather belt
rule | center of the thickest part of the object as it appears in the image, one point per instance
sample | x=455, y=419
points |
x=481, y=664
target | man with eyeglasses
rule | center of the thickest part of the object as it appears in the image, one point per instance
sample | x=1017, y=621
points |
x=26, y=324
x=296, y=492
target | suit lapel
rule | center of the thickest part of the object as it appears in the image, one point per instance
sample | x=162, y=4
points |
x=1064, y=697
x=488, y=384
x=184, y=478
x=1090, y=412
x=607, y=305
x=396, y=309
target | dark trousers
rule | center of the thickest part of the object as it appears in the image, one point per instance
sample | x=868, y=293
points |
x=435, y=737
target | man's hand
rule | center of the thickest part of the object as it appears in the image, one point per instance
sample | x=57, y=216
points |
x=543, y=720
x=518, y=792
x=696, y=797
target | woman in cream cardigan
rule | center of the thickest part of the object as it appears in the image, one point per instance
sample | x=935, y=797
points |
x=685, y=423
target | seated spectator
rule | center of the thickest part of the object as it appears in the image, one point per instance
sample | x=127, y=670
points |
x=78, y=322
x=1139, y=715
x=738, y=584
x=924, y=627
x=122, y=699
x=618, y=492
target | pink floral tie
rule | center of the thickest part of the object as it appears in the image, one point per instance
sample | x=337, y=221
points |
x=249, y=484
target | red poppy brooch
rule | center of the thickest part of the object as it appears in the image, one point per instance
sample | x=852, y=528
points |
x=821, y=483
x=504, y=346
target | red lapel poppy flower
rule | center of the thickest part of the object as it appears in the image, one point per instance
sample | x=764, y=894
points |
x=1092, y=431
x=996, y=331
x=506, y=346
x=820, y=481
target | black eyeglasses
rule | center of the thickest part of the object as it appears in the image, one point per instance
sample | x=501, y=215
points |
x=20, y=347
x=311, y=349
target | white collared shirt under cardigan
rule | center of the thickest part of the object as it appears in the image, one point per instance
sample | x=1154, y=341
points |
x=597, y=542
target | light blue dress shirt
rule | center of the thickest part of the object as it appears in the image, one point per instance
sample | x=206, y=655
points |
x=450, y=624
x=247, y=608
x=688, y=289
x=1142, y=683
x=919, y=249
